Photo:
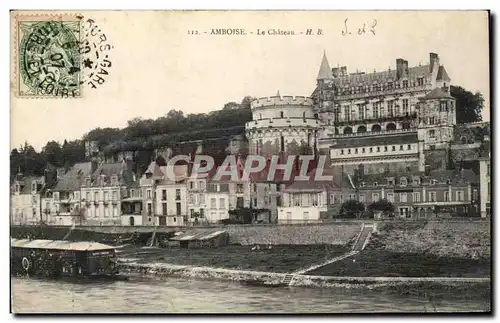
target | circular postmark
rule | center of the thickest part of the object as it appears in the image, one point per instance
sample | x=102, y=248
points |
x=50, y=58
x=95, y=50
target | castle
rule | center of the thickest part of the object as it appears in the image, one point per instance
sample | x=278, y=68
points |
x=394, y=120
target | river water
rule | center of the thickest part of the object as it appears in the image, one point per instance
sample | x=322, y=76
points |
x=177, y=295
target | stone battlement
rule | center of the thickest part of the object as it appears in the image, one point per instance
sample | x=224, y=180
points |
x=281, y=100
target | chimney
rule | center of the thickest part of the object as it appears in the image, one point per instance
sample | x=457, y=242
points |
x=434, y=61
x=361, y=171
x=343, y=71
x=399, y=67
x=335, y=72
x=93, y=166
x=405, y=67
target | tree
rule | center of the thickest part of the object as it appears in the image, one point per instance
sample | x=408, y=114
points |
x=351, y=208
x=383, y=206
x=469, y=105
x=53, y=153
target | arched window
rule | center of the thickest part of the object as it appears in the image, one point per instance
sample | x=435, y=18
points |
x=391, y=126
x=282, y=114
x=376, y=128
x=347, y=130
x=361, y=129
x=316, y=116
x=463, y=140
x=405, y=125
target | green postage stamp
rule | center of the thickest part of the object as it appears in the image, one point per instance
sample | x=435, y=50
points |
x=47, y=56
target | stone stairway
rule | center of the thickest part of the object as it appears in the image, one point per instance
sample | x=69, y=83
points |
x=288, y=279
x=363, y=237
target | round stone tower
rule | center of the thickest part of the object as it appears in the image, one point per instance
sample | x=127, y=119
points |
x=282, y=124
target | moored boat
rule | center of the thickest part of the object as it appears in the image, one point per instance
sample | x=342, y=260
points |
x=53, y=258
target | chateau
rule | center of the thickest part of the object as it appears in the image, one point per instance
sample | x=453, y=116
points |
x=393, y=120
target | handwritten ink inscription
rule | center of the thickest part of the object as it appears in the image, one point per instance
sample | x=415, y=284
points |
x=360, y=30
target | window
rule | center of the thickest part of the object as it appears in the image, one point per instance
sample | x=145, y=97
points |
x=371, y=149
x=239, y=188
x=341, y=198
x=255, y=202
x=362, y=198
x=222, y=203
x=88, y=181
x=403, y=198
x=191, y=212
x=164, y=208
x=378, y=149
x=390, y=108
x=352, y=196
x=390, y=182
x=420, y=81
x=201, y=185
x=348, y=151
x=375, y=197
x=282, y=114
x=446, y=196
x=390, y=197
x=115, y=196
x=332, y=198
x=296, y=199
x=403, y=181
x=385, y=148
x=88, y=196
x=201, y=198
x=191, y=199
x=213, y=203
x=178, y=209
x=191, y=185
x=460, y=196
x=409, y=147
x=405, y=83
x=432, y=196
x=164, y=195
x=341, y=151
x=149, y=209
x=393, y=148
x=401, y=147
x=432, y=134
x=433, y=182
x=416, y=197
x=202, y=213
x=356, y=150
x=148, y=194
x=96, y=196
x=405, y=106
x=375, y=184
x=177, y=194
x=432, y=120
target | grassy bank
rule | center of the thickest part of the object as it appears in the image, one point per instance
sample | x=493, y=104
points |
x=375, y=263
x=281, y=258
x=464, y=240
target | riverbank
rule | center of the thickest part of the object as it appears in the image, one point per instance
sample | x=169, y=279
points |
x=164, y=271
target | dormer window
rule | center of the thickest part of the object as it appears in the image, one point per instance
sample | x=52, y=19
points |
x=416, y=181
x=114, y=180
x=448, y=181
x=363, y=184
x=33, y=186
x=433, y=182
x=88, y=181
x=403, y=181
x=390, y=182
x=103, y=180
x=375, y=184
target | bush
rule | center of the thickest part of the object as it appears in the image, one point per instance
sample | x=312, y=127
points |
x=351, y=209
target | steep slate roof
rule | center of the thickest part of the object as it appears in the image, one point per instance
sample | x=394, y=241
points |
x=324, y=70
x=442, y=75
x=463, y=176
x=125, y=175
x=437, y=93
x=26, y=183
x=73, y=179
x=380, y=77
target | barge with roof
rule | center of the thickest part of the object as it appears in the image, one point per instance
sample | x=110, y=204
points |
x=58, y=259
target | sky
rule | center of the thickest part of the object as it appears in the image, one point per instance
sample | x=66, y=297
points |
x=158, y=66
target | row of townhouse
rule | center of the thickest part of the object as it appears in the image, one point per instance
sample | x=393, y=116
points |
x=436, y=193
x=110, y=194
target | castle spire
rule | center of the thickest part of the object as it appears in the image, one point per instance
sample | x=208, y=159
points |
x=324, y=70
x=278, y=93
